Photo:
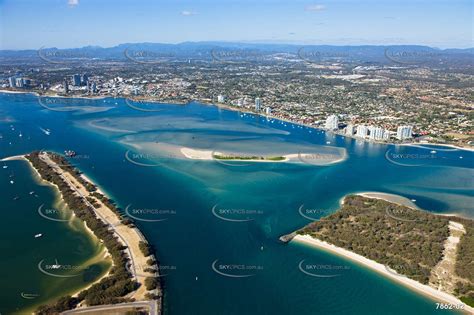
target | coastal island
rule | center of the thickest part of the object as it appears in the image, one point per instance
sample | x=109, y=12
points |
x=300, y=158
x=432, y=254
x=123, y=288
x=248, y=158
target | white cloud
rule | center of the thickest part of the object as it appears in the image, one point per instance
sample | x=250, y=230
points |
x=315, y=7
x=72, y=3
x=188, y=13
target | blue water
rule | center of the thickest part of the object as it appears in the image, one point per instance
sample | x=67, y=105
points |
x=180, y=195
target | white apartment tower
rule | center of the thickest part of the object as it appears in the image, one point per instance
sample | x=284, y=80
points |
x=404, y=132
x=258, y=104
x=332, y=122
x=362, y=131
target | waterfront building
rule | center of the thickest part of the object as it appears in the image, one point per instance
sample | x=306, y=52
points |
x=268, y=110
x=65, y=86
x=378, y=133
x=350, y=130
x=404, y=132
x=332, y=122
x=94, y=87
x=19, y=82
x=12, y=81
x=258, y=104
x=84, y=79
x=361, y=131
x=220, y=98
x=76, y=80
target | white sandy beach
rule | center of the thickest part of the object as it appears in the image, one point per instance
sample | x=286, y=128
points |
x=196, y=154
x=399, y=200
x=438, y=296
x=13, y=158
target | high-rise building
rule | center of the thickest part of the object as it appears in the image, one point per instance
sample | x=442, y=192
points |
x=376, y=133
x=332, y=122
x=350, y=130
x=404, y=132
x=65, y=86
x=221, y=98
x=12, y=81
x=19, y=82
x=258, y=104
x=76, y=80
x=361, y=131
x=94, y=87
x=386, y=135
x=268, y=111
x=84, y=79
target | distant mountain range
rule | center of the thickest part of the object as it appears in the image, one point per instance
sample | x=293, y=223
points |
x=208, y=50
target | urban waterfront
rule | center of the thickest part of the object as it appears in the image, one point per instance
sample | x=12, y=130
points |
x=216, y=225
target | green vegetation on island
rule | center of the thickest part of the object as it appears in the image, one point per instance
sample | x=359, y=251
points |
x=248, y=158
x=407, y=240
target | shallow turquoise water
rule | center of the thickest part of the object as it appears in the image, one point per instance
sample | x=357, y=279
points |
x=257, y=202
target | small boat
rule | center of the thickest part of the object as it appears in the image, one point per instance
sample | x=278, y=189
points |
x=196, y=278
x=413, y=200
x=46, y=131
x=16, y=197
x=328, y=142
x=432, y=151
x=12, y=182
x=20, y=135
x=460, y=157
x=32, y=192
x=4, y=166
x=38, y=235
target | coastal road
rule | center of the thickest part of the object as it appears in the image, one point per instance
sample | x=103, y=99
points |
x=109, y=309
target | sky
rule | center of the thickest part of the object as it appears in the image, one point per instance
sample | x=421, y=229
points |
x=32, y=24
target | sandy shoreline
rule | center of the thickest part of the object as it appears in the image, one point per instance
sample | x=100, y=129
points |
x=13, y=158
x=438, y=296
x=399, y=200
x=208, y=155
x=403, y=201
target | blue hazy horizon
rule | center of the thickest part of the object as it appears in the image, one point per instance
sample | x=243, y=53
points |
x=30, y=24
